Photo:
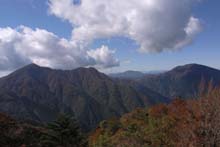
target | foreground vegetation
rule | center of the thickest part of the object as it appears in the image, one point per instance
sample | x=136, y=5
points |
x=192, y=123
x=64, y=132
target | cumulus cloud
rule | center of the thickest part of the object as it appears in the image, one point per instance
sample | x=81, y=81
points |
x=156, y=25
x=104, y=57
x=24, y=45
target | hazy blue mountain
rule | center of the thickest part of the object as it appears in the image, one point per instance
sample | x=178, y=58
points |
x=155, y=72
x=127, y=75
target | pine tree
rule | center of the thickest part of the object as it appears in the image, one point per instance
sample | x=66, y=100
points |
x=64, y=132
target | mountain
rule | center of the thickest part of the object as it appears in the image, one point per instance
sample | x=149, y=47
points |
x=155, y=72
x=40, y=94
x=182, y=81
x=128, y=75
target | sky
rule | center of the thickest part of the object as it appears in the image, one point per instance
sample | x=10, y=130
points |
x=112, y=36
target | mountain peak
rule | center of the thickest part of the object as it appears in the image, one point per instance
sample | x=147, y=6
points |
x=183, y=80
x=30, y=69
x=191, y=67
x=87, y=70
x=42, y=93
x=32, y=65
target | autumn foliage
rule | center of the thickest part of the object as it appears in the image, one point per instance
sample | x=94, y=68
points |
x=192, y=123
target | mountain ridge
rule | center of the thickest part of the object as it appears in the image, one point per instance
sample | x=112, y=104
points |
x=182, y=81
x=42, y=93
x=130, y=74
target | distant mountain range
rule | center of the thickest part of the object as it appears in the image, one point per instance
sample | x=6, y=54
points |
x=40, y=94
x=133, y=74
x=128, y=75
x=182, y=81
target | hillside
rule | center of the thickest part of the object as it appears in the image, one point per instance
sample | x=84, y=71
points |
x=40, y=94
x=182, y=81
x=182, y=123
x=15, y=133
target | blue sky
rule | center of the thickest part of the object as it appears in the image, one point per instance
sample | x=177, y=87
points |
x=205, y=49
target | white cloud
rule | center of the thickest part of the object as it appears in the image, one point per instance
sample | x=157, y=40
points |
x=156, y=25
x=103, y=57
x=4, y=73
x=23, y=45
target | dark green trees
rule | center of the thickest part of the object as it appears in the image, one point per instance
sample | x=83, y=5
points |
x=64, y=132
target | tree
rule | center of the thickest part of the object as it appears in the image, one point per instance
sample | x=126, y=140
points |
x=64, y=132
x=209, y=107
